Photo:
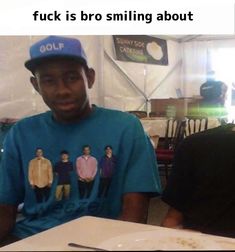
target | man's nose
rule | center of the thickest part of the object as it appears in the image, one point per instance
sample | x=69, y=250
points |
x=61, y=87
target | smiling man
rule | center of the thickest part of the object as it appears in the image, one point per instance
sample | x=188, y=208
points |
x=61, y=75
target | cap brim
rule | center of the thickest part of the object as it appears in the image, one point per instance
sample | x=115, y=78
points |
x=32, y=64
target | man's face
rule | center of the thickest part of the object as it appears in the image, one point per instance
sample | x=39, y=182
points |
x=62, y=85
x=64, y=157
x=39, y=153
x=108, y=151
x=86, y=151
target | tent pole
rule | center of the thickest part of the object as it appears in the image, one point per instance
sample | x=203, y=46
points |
x=122, y=71
x=165, y=78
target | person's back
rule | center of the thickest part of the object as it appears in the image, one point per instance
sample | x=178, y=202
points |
x=211, y=91
x=200, y=190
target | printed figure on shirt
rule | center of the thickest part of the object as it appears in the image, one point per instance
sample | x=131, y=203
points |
x=40, y=176
x=107, y=167
x=86, y=166
x=63, y=168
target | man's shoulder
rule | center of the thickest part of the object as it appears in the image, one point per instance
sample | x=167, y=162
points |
x=117, y=115
x=205, y=135
x=29, y=120
x=32, y=161
x=93, y=158
x=47, y=161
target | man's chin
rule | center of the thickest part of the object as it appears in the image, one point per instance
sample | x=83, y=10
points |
x=70, y=112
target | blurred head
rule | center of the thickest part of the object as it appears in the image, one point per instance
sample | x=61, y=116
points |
x=86, y=150
x=211, y=76
x=64, y=155
x=62, y=77
x=39, y=153
x=108, y=150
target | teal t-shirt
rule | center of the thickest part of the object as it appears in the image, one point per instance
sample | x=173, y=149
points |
x=134, y=168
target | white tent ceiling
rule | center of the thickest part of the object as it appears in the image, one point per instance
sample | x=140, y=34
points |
x=198, y=37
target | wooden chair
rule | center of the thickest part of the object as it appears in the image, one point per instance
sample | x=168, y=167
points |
x=154, y=139
x=138, y=113
x=152, y=114
x=195, y=124
x=175, y=132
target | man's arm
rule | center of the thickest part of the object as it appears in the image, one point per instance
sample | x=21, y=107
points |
x=30, y=174
x=135, y=207
x=50, y=173
x=173, y=219
x=7, y=219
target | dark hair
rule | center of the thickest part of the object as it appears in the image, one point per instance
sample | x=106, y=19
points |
x=108, y=146
x=86, y=146
x=64, y=152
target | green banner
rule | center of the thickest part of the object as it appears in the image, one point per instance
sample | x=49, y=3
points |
x=141, y=49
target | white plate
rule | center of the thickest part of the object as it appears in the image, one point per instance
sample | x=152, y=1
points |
x=150, y=240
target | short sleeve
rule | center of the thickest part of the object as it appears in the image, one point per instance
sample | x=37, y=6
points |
x=180, y=184
x=11, y=175
x=141, y=174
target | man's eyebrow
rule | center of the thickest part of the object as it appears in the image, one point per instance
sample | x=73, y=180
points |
x=43, y=75
x=73, y=71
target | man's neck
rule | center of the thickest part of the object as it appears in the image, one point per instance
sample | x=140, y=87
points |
x=76, y=118
x=86, y=156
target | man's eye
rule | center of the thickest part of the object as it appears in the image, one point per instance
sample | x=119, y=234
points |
x=73, y=77
x=48, y=81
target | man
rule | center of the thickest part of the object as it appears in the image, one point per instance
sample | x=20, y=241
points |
x=213, y=91
x=107, y=168
x=200, y=189
x=40, y=176
x=62, y=170
x=86, y=167
x=61, y=75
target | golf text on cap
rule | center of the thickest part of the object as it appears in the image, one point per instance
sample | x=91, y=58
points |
x=51, y=46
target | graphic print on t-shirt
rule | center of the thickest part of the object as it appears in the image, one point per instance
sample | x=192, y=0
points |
x=62, y=170
x=86, y=167
x=40, y=176
x=77, y=185
x=107, y=167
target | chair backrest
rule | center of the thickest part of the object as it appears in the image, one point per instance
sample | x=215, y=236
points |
x=154, y=139
x=195, y=124
x=152, y=114
x=175, y=132
x=138, y=113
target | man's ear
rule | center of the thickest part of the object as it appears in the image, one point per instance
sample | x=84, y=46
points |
x=90, y=73
x=34, y=82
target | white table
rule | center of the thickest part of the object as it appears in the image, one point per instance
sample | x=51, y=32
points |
x=157, y=125
x=92, y=231
x=154, y=126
